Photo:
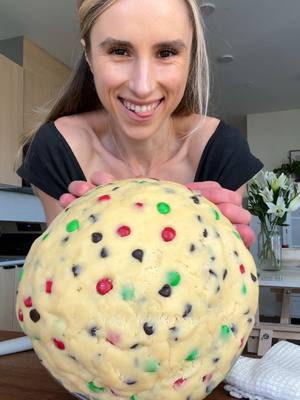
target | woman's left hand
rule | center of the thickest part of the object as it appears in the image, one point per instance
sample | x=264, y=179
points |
x=230, y=205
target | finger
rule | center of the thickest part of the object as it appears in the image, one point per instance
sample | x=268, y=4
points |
x=220, y=195
x=202, y=185
x=66, y=199
x=236, y=214
x=79, y=188
x=247, y=234
x=101, y=178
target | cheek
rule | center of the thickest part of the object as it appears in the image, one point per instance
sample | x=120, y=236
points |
x=108, y=77
x=175, y=79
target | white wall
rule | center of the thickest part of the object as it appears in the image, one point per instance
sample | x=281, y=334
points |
x=272, y=135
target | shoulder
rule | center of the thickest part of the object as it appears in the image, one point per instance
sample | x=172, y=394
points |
x=80, y=134
x=198, y=132
x=74, y=130
x=218, y=133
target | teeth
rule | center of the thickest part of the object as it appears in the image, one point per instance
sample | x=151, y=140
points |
x=139, y=109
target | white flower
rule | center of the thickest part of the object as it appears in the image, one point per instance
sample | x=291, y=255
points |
x=266, y=194
x=265, y=189
x=295, y=203
x=270, y=177
x=279, y=209
x=279, y=183
x=260, y=179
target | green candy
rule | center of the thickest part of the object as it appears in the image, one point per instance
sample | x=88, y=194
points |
x=236, y=234
x=225, y=331
x=133, y=397
x=173, y=278
x=151, y=366
x=72, y=225
x=45, y=236
x=94, y=388
x=217, y=215
x=127, y=293
x=244, y=289
x=194, y=354
x=163, y=208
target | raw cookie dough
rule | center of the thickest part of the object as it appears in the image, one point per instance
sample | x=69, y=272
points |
x=141, y=289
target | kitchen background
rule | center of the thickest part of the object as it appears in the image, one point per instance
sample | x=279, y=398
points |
x=255, y=66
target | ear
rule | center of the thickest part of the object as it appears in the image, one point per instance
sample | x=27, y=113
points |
x=82, y=41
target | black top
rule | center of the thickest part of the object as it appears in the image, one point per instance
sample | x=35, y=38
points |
x=51, y=166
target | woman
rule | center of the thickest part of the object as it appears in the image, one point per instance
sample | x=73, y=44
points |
x=136, y=106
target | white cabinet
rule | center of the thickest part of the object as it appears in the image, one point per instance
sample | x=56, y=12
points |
x=15, y=323
x=8, y=286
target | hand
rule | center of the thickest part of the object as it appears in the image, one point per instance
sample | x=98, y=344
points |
x=230, y=205
x=79, y=188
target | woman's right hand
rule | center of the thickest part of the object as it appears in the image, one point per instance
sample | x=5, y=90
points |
x=79, y=188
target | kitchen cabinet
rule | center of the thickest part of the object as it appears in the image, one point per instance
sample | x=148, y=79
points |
x=11, y=117
x=9, y=280
x=24, y=89
x=7, y=293
x=15, y=323
x=43, y=78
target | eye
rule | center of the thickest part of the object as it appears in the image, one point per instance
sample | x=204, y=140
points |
x=118, y=51
x=166, y=53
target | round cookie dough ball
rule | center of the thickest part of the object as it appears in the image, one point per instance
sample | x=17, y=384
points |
x=142, y=290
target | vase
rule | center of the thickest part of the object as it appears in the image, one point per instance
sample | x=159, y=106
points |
x=270, y=248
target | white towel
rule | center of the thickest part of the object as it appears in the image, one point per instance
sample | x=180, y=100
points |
x=275, y=376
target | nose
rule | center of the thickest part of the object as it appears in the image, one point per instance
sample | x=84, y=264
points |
x=142, y=79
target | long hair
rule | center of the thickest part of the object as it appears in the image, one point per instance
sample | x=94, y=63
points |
x=79, y=93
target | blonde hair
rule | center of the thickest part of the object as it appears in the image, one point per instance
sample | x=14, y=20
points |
x=79, y=94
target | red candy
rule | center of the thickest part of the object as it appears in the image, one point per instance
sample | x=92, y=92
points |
x=104, y=197
x=48, y=286
x=114, y=393
x=242, y=269
x=124, y=231
x=168, y=234
x=59, y=344
x=20, y=315
x=28, y=302
x=180, y=382
x=104, y=286
x=207, y=378
x=113, y=338
x=139, y=205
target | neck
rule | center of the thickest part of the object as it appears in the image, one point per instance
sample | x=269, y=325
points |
x=144, y=157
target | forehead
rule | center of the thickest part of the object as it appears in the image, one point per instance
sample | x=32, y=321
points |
x=142, y=18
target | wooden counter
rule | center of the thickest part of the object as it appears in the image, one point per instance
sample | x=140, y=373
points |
x=22, y=377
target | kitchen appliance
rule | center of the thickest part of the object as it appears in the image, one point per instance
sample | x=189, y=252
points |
x=16, y=239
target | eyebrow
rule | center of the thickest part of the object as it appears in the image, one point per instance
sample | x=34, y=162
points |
x=109, y=42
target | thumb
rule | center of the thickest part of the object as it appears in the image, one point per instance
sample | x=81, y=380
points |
x=100, y=178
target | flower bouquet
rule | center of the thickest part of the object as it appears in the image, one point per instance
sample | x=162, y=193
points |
x=270, y=198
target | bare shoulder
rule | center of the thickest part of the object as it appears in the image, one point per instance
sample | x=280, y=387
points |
x=205, y=128
x=74, y=129
x=78, y=131
x=202, y=132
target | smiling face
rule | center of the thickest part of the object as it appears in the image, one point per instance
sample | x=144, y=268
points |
x=139, y=56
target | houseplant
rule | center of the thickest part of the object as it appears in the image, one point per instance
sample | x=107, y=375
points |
x=290, y=169
x=270, y=198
